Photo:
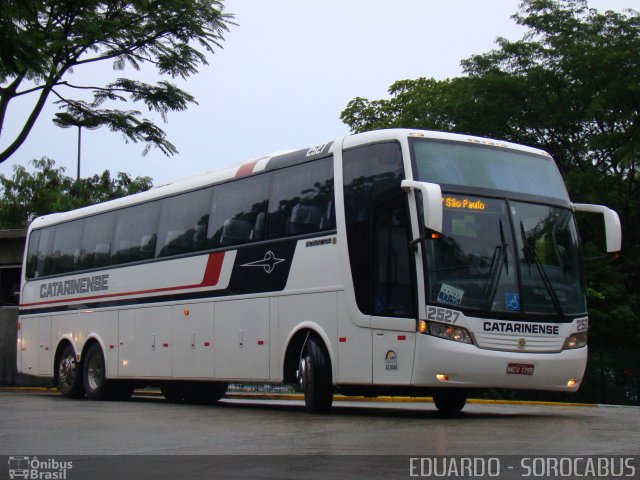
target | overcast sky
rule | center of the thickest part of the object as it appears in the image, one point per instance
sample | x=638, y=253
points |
x=286, y=72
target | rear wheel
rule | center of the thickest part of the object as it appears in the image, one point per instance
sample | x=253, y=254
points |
x=94, y=375
x=450, y=401
x=314, y=377
x=69, y=374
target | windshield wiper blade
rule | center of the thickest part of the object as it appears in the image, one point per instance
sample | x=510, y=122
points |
x=531, y=256
x=495, y=270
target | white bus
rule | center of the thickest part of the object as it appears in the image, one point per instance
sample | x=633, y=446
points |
x=394, y=262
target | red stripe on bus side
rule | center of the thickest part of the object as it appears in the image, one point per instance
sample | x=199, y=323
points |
x=212, y=272
x=246, y=169
x=210, y=278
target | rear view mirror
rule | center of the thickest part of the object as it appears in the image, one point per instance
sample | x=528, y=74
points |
x=431, y=201
x=612, y=229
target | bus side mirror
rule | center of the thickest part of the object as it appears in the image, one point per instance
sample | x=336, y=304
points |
x=431, y=202
x=613, y=232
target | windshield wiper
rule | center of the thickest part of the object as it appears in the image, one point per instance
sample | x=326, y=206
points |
x=531, y=256
x=495, y=270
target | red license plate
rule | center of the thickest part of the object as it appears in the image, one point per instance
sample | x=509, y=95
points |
x=519, y=369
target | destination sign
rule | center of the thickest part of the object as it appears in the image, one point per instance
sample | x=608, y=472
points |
x=464, y=202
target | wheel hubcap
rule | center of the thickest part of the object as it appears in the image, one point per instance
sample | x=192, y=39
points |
x=301, y=374
x=67, y=370
x=94, y=373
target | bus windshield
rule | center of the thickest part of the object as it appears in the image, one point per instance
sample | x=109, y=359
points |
x=501, y=255
x=487, y=167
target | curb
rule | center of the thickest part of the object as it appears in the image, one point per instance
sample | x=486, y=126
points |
x=339, y=398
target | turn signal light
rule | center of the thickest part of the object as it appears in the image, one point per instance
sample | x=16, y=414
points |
x=422, y=326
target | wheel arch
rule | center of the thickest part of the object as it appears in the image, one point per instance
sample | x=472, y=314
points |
x=294, y=343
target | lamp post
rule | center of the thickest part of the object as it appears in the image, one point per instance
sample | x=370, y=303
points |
x=66, y=120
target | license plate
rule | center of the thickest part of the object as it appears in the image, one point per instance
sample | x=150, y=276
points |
x=519, y=369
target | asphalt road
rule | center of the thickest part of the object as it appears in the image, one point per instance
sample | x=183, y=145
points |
x=45, y=424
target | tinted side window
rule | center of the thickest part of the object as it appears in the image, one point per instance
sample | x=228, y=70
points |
x=96, y=241
x=301, y=200
x=372, y=175
x=32, y=254
x=135, y=233
x=65, y=250
x=392, y=266
x=44, y=252
x=183, y=223
x=238, y=212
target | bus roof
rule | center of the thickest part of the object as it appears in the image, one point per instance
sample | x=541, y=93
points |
x=268, y=162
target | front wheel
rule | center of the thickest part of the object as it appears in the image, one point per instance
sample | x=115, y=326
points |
x=314, y=377
x=450, y=401
x=69, y=374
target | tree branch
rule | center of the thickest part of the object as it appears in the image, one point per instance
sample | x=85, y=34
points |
x=6, y=95
x=26, y=129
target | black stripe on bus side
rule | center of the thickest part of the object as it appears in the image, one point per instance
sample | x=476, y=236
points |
x=257, y=269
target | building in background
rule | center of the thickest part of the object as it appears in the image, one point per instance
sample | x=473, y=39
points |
x=11, y=250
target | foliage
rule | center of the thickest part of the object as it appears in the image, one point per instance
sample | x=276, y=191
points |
x=47, y=190
x=43, y=41
x=571, y=86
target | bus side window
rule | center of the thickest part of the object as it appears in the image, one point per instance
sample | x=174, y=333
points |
x=96, y=241
x=133, y=225
x=183, y=223
x=237, y=210
x=32, y=254
x=65, y=250
x=44, y=252
x=301, y=200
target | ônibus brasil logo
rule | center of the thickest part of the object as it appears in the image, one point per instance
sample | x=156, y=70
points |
x=33, y=468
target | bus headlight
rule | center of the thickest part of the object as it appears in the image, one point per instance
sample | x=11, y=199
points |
x=449, y=332
x=575, y=340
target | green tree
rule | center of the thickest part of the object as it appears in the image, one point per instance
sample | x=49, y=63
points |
x=43, y=41
x=28, y=195
x=571, y=86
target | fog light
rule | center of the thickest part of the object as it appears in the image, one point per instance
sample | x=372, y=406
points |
x=575, y=340
x=443, y=377
x=572, y=383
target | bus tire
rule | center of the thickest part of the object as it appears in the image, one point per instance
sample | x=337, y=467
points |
x=450, y=401
x=314, y=377
x=211, y=392
x=94, y=374
x=69, y=374
x=204, y=393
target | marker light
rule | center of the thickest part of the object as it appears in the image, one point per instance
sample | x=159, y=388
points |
x=422, y=326
x=443, y=377
x=572, y=383
x=449, y=332
x=575, y=340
